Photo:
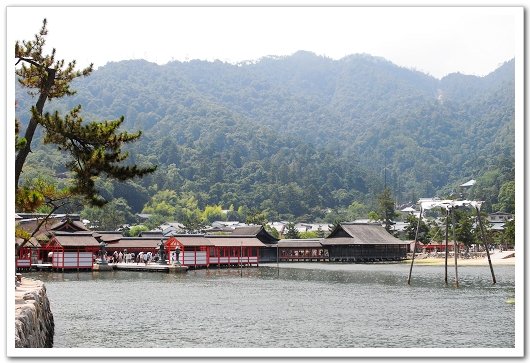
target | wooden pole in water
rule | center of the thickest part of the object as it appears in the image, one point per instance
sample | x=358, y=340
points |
x=414, y=249
x=446, y=241
x=455, y=248
x=485, y=244
x=241, y=259
x=277, y=258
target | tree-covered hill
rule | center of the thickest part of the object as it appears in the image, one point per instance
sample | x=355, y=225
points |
x=299, y=134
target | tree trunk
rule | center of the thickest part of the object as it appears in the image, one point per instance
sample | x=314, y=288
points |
x=32, y=126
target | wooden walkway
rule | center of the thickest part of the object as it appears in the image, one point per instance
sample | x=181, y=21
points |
x=153, y=267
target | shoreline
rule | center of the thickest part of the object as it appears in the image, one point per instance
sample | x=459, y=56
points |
x=433, y=261
x=425, y=261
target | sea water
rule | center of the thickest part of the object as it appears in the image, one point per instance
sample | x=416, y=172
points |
x=296, y=306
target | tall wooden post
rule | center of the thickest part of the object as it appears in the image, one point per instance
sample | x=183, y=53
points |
x=278, y=258
x=485, y=242
x=414, y=249
x=446, y=241
x=455, y=248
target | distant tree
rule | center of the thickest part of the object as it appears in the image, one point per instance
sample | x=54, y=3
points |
x=373, y=216
x=386, y=209
x=256, y=217
x=291, y=232
x=213, y=213
x=436, y=233
x=193, y=223
x=109, y=217
x=308, y=234
x=232, y=214
x=136, y=230
x=506, y=198
x=508, y=235
x=164, y=204
x=336, y=215
x=242, y=212
x=356, y=210
x=320, y=232
x=464, y=229
x=410, y=230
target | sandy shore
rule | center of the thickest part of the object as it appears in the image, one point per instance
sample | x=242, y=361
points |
x=463, y=262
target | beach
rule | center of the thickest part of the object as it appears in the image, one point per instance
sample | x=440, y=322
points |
x=463, y=262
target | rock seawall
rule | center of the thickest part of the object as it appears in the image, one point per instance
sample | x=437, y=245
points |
x=34, y=325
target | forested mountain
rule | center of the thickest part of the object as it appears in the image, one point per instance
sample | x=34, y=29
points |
x=300, y=134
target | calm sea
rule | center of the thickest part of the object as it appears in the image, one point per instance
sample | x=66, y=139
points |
x=313, y=305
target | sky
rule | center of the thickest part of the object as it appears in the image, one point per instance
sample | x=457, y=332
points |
x=433, y=40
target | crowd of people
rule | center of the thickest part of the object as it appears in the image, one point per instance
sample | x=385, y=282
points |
x=125, y=257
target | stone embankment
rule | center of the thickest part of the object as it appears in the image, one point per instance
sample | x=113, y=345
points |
x=34, y=325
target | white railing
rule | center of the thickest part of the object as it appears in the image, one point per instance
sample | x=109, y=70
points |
x=72, y=260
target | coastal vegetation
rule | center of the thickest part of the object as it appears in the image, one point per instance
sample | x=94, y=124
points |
x=87, y=150
x=296, y=138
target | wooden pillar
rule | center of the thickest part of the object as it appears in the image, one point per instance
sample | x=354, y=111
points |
x=485, y=243
x=415, y=241
x=446, y=241
x=278, y=258
x=455, y=246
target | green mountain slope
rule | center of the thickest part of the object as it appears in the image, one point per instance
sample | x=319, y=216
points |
x=299, y=134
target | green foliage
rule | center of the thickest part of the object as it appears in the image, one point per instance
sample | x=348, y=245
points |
x=373, y=216
x=464, y=228
x=386, y=211
x=410, y=231
x=164, y=203
x=291, y=232
x=357, y=210
x=35, y=75
x=41, y=195
x=308, y=234
x=91, y=150
x=435, y=232
x=213, y=213
x=506, y=198
x=110, y=216
x=296, y=136
x=95, y=149
x=256, y=217
x=320, y=232
x=136, y=230
x=508, y=236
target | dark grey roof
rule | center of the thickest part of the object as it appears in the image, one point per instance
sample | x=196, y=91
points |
x=360, y=233
x=255, y=231
x=75, y=239
x=107, y=236
x=247, y=231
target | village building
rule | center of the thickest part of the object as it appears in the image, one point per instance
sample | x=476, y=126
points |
x=72, y=250
x=268, y=251
x=363, y=242
x=38, y=249
x=191, y=250
x=234, y=250
x=298, y=250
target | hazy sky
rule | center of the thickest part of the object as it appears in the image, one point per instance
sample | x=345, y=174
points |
x=434, y=40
